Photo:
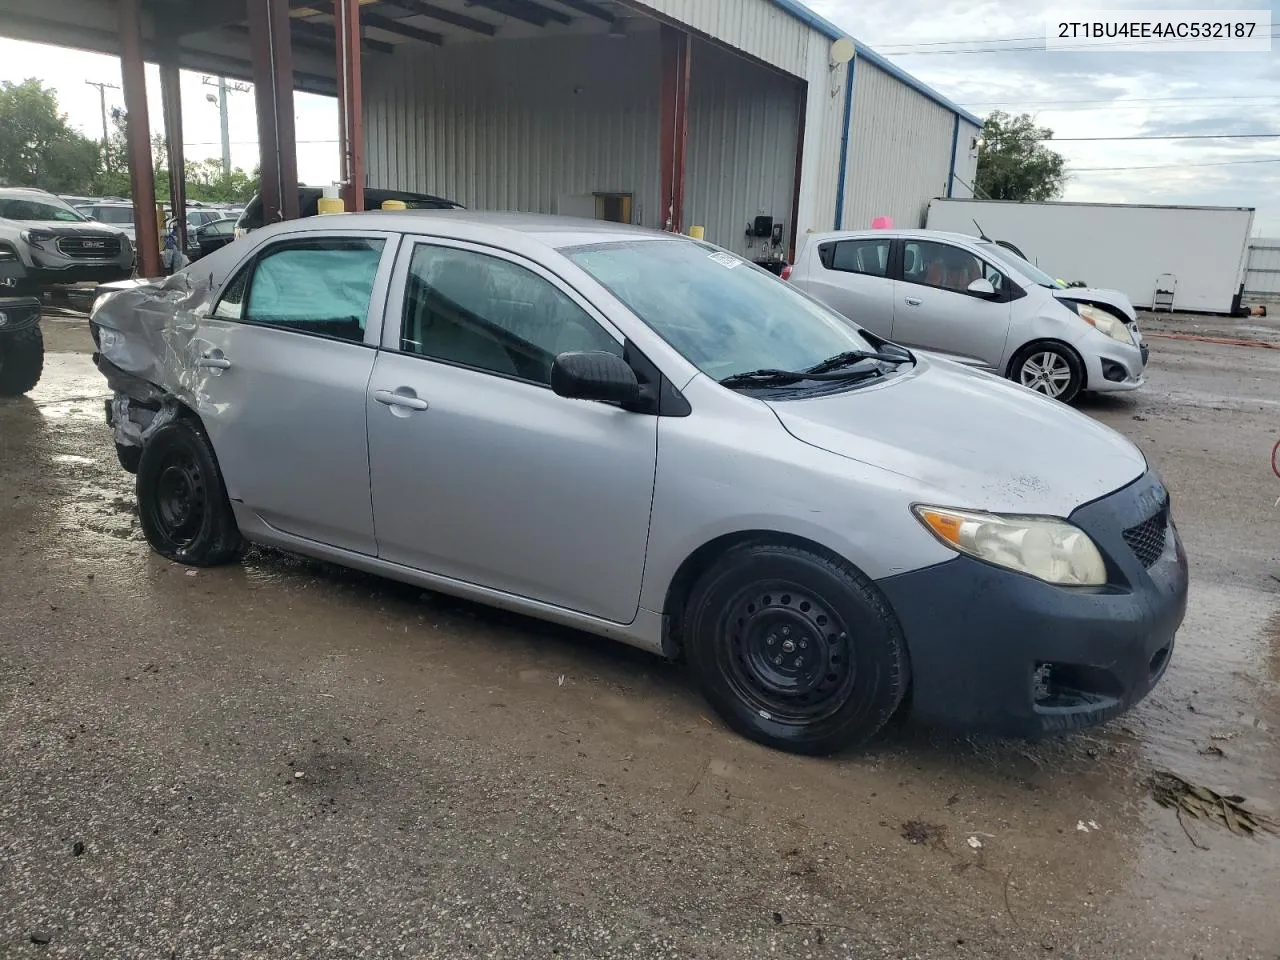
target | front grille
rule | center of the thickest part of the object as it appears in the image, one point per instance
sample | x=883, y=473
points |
x=1147, y=538
x=89, y=248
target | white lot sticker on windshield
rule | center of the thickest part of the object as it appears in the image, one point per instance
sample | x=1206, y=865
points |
x=725, y=260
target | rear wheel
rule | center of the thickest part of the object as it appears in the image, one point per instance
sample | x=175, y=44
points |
x=182, y=501
x=795, y=650
x=1052, y=370
x=21, y=361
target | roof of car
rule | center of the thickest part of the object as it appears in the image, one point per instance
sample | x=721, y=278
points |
x=895, y=232
x=34, y=193
x=557, y=232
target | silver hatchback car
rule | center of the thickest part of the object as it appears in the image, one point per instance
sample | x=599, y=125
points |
x=643, y=436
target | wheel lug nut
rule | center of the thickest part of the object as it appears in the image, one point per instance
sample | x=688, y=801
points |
x=799, y=661
x=777, y=661
x=786, y=631
x=771, y=641
x=804, y=644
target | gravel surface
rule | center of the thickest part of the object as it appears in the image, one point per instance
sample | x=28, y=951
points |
x=281, y=759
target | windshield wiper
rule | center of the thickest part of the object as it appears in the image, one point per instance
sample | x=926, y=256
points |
x=769, y=377
x=851, y=357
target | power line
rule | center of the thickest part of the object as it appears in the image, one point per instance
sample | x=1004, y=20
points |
x=1038, y=47
x=1185, y=136
x=1118, y=101
x=1167, y=166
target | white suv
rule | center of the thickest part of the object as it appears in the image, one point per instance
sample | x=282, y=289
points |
x=979, y=303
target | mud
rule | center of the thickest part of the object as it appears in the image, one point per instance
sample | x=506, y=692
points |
x=285, y=759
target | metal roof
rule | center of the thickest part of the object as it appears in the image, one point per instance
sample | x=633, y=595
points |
x=826, y=27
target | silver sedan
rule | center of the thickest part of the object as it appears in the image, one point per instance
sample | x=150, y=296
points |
x=643, y=436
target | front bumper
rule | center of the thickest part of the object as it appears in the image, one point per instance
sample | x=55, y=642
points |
x=1004, y=653
x=1115, y=367
x=79, y=273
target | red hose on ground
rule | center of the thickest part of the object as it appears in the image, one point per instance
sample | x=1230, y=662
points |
x=1275, y=467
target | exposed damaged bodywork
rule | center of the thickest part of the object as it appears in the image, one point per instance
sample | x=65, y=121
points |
x=149, y=352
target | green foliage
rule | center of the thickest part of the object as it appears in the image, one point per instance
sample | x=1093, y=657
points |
x=38, y=148
x=1015, y=164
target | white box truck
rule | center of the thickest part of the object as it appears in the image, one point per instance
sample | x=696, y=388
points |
x=1195, y=255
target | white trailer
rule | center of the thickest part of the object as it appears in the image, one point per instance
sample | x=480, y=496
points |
x=1199, y=253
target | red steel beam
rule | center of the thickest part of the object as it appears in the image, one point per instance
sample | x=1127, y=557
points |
x=795, y=196
x=171, y=100
x=350, y=116
x=674, y=134
x=142, y=185
x=271, y=46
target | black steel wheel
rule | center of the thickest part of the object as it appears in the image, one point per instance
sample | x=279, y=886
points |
x=794, y=649
x=21, y=361
x=182, y=501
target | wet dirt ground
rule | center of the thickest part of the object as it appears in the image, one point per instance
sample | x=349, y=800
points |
x=281, y=759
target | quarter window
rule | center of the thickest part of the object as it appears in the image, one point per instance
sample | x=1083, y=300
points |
x=316, y=286
x=949, y=268
x=484, y=312
x=870, y=257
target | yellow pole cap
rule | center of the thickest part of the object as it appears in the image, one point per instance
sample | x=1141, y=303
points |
x=330, y=205
x=394, y=205
x=698, y=233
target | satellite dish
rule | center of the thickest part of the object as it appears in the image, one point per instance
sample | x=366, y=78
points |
x=842, y=51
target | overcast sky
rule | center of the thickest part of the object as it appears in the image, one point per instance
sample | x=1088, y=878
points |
x=1214, y=94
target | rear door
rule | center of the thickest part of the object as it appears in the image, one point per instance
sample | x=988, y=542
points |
x=283, y=365
x=934, y=310
x=852, y=277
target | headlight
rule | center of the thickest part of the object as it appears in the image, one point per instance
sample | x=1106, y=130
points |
x=1105, y=322
x=36, y=236
x=1046, y=548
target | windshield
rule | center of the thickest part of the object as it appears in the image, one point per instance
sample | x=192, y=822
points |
x=1011, y=259
x=722, y=314
x=22, y=208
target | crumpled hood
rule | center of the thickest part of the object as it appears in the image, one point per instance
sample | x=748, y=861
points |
x=1112, y=298
x=979, y=441
x=66, y=228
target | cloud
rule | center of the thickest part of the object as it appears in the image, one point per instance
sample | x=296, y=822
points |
x=1229, y=91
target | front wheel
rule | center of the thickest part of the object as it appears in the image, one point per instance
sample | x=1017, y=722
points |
x=1049, y=369
x=21, y=361
x=182, y=501
x=795, y=650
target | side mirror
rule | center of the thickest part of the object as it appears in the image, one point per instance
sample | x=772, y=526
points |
x=982, y=288
x=90, y=216
x=594, y=376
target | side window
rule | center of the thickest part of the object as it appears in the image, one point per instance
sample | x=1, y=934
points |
x=488, y=313
x=870, y=257
x=319, y=286
x=947, y=267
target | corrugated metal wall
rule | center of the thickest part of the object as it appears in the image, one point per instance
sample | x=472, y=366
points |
x=899, y=151
x=1262, y=276
x=757, y=27
x=517, y=125
x=743, y=125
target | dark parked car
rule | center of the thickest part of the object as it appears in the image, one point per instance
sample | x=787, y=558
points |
x=309, y=204
x=212, y=236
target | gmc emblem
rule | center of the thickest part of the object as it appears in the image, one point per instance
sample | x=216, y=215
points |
x=95, y=244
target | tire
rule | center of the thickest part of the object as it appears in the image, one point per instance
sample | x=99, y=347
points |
x=21, y=361
x=129, y=457
x=1050, y=369
x=760, y=598
x=182, y=501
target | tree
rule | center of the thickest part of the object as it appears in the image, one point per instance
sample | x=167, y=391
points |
x=205, y=179
x=1015, y=164
x=38, y=148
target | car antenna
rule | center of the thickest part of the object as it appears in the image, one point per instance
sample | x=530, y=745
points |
x=982, y=234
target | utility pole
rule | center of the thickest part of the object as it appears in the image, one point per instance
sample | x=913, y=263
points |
x=102, y=99
x=221, y=100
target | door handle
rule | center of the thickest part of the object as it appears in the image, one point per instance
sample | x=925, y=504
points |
x=914, y=301
x=214, y=362
x=392, y=398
